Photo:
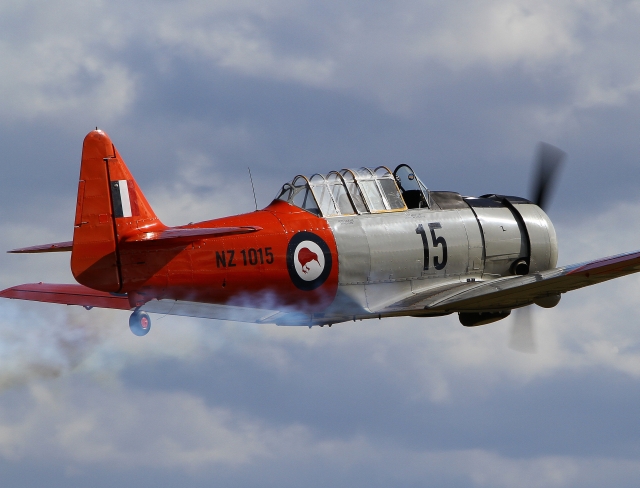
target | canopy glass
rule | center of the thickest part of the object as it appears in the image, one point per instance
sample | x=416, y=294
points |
x=356, y=191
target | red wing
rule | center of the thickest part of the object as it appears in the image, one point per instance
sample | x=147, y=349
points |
x=66, y=295
x=86, y=297
x=54, y=247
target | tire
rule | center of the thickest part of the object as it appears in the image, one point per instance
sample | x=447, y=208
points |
x=140, y=323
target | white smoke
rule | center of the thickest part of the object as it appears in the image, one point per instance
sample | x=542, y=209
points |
x=33, y=345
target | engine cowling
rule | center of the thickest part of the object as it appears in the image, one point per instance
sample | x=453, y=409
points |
x=519, y=237
x=541, y=235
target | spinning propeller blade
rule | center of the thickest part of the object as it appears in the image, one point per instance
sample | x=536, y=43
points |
x=548, y=162
x=522, y=336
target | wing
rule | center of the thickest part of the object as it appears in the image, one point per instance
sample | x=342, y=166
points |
x=517, y=291
x=89, y=298
x=66, y=295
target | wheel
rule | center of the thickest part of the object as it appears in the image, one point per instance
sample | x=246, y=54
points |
x=140, y=323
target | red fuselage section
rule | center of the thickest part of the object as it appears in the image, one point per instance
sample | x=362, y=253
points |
x=249, y=269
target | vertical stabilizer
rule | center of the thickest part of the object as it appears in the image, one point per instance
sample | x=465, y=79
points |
x=110, y=207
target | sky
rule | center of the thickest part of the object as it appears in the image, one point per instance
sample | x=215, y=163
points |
x=193, y=92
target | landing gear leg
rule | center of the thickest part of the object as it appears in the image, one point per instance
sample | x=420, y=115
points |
x=140, y=323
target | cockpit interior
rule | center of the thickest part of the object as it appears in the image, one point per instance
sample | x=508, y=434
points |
x=357, y=191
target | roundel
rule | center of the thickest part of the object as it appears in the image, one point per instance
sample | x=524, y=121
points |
x=308, y=260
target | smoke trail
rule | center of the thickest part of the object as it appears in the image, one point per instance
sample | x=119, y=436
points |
x=36, y=346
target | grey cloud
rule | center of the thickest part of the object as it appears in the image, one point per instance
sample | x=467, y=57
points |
x=345, y=398
x=89, y=428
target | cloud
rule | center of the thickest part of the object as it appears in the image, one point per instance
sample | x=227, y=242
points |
x=108, y=431
x=112, y=426
x=236, y=44
x=388, y=55
x=202, y=191
x=61, y=67
x=503, y=32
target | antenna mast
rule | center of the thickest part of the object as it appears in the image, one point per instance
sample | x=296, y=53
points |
x=253, y=188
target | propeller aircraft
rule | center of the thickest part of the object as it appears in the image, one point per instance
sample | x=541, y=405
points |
x=350, y=245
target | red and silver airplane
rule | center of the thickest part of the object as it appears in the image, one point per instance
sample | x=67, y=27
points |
x=349, y=245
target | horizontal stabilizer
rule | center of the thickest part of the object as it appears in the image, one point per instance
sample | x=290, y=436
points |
x=191, y=234
x=174, y=234
x=66, y=295
x=54, y=247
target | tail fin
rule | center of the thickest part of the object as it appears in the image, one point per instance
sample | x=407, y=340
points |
x=110, y=207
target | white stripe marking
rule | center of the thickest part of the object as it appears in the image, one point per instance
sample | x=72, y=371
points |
x=124, y=198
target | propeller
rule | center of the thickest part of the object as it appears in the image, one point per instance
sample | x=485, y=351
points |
x=522, y=337
x=548, y=162
x=546, y=166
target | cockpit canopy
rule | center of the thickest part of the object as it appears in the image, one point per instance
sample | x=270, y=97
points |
x=357, y=191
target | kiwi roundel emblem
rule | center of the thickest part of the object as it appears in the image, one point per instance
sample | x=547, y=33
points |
x=309, y=260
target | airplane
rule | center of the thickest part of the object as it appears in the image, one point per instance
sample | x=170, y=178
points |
x=350, y=245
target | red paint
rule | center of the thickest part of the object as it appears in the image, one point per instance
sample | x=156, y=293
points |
x=608, y=265
x=66, y=294
x=306, y=256
x=133, y=198
x=140, y=255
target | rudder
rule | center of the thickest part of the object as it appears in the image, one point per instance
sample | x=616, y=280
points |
x=110, y=207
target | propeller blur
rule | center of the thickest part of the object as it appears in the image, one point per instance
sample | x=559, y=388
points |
x=547, y=165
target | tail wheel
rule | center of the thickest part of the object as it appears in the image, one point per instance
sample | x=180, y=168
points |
x=140, y=323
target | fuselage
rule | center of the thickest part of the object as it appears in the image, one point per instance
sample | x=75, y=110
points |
x=346, y=244
x=366, y=263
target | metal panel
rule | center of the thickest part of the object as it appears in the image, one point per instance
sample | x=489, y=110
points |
x=400, y=244
x=423, y=286
x=350, y=300
x=447, y=200
x=210, y=311
x=448, y=225
x=476, y=243
x=386, y=253
x=354, y=264
x=542, y=237
x=381, y=295
x=503, y=238
x=353, y=250
x=396, y=249
x=501, y=233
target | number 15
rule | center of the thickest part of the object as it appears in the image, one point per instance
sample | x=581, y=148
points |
x=437, y=241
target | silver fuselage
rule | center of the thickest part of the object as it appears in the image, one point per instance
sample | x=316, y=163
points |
x=386, y=257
